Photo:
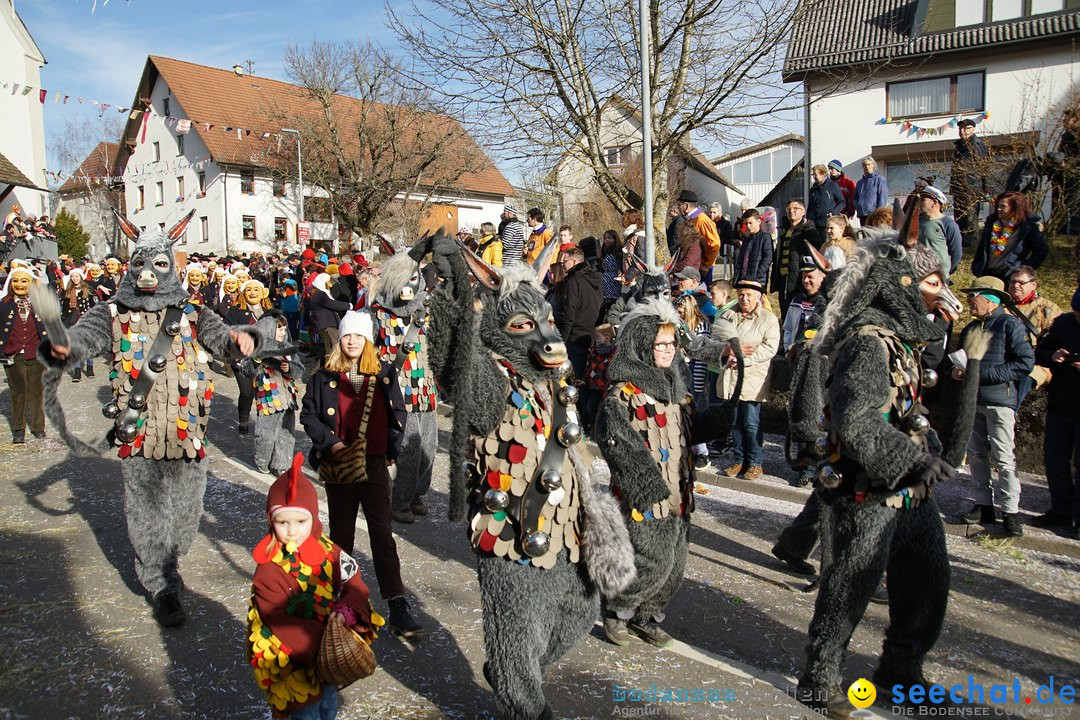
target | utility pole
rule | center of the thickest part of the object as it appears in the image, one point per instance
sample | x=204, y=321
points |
x=646, y=135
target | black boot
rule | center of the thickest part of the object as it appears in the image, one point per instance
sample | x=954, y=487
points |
x=401, y=622
x=167, y=609
x=244, y=428
x=1013, y=526
x=18, y=436
x=980, y=515
x=831, y=701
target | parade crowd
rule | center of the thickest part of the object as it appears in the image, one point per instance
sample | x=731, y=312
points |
x=538, y=339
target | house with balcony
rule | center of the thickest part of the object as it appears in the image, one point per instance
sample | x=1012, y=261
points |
x=206, y=140
x=891, y=78
x=22, y=124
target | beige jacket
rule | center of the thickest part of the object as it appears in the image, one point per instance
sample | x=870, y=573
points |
x=760, y=330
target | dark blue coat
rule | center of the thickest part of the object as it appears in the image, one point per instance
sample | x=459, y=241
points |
x=825, y=199
x=320, y=409
x=1026, y=246
x=1008, y=359
x=756, y=255
x=325, y=311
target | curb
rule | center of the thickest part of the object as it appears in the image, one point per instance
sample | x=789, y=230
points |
x=1036, y=539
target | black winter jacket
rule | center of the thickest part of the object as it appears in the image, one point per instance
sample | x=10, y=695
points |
x=1064, y=388
x=577, y=304
x=1026, y=246
x=756, y=255
x=320, y=409
x=795, y=246
x=825, y=199
x=1008, y=359
x=325, y=311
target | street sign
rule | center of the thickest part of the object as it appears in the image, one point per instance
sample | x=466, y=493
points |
x=303, y=232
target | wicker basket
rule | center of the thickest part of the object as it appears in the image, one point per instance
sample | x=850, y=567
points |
x=344, y=656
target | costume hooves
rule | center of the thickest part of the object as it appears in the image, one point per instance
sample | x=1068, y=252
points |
x=167, y=609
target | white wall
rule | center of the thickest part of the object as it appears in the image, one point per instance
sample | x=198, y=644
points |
x=756, y=191
x=22, y=130
x=1020, y=87
x=92, y=212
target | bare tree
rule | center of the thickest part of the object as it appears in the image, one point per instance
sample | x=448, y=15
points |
x=376, y=148
x=537, y=74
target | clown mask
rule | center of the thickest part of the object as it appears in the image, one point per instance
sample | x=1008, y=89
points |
x=112, y=265
x=254, y=292
x=242, y=276
x=211, y=268
x=20, y=281
x=195, y=278
x=94, y=271
x=230, y=284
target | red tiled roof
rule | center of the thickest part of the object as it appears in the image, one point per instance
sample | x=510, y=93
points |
x=257, y=104
x=100, y=163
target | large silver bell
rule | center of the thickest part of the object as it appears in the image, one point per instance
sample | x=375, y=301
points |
x=496, y=500
x=568, y=394
x=157, y=363
x=172, y=328
x=929, y=378
x=612, y=442
x=569, y=434
x=127, y=432
x=565, y=368
x=536, y=544
x=918, y=423
x=828, y=478
x=137, y=400
x=821, y=446
x=111, y=409
x=550, y=480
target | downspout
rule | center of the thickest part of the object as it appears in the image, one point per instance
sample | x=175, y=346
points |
x=806, y=136
x=225, y=198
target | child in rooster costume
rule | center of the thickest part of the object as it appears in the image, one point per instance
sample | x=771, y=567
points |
x=302, y=582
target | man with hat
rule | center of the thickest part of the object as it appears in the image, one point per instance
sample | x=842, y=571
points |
x=1059, y=350
x=807, y=304
x=846, y=185
x=691, y=210
x=758, y=331
x=967, y=182
x=931, y=229
x=512, y=233
x=1008, y=360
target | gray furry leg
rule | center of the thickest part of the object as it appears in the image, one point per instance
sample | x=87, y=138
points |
x=653, y=607
x=417, y=458
x=918, y=579
x=861, y=537
x=654, y=544
x=531, y=618
x=284, y=443
x=266, y=433
x=163, y=503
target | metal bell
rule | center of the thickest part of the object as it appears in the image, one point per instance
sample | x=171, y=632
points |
x=611, y=442
x=929, y=378
x=568, y=394
x=427, y=300
x=172, y=328
x=828, y=478
x=496, y=500
x=822, y=423
x=127, y=432
x=409, y=347
x=536, y=544
x=111, y=409
x=550, y=480
x=569, y=434
x=566, y=368
x=821, y=445
x=918, y=423
x=157, y=363
x=137, y=401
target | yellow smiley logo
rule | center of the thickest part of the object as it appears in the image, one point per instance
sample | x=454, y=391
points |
x=862, y=693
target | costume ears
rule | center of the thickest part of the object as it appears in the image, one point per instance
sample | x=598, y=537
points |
x=129, y=230
x=487, y=275
x=907, y=223
x=543, y=262
x=179, y=228
x=385, y=246
x=823, y=264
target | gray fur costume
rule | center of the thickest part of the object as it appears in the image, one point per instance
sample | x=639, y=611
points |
x=161, y=446
x=496, y=362
x=400, y=303
x=883, y=460
x=275, y=403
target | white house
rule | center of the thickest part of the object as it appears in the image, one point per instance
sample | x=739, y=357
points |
x=22, y=129
x=574, y=183
x=891, y=78
x=759, y=168
x=204, y=143
x=90, y=193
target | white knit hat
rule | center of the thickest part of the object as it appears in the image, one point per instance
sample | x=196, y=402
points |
x=356, y=323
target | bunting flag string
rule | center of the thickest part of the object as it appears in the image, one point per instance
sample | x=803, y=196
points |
x=181, y=125
x=909, y=128
x=134, y=172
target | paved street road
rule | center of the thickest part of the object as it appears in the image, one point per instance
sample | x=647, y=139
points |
x=78, y=640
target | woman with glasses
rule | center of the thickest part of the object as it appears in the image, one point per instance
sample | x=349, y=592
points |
x=1011, y=237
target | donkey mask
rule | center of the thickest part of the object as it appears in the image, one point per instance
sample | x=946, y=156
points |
x=151, y=281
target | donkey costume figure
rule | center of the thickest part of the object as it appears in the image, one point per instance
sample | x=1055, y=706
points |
x=160, y=407
x=547, y=540
x=399, y=310
x=882, y=460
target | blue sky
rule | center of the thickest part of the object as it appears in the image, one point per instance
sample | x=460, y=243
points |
x=100, y=56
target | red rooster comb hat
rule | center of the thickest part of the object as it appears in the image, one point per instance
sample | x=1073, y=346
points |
x=292, y=491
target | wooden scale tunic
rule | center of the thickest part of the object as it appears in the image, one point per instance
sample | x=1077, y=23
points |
x=507, y=459
x=416, y=379
x=173, y=424
x=660, y=428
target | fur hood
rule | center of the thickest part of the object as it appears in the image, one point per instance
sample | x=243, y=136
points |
x=397, y=272
x=633, y=358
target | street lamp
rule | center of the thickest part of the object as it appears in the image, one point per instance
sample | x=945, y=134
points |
x=299, y=169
